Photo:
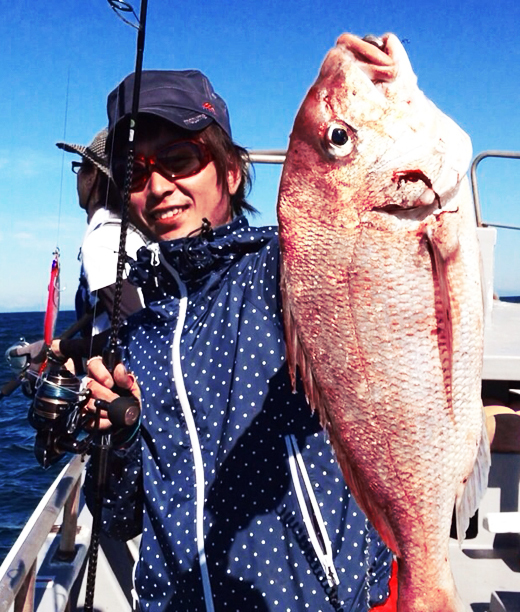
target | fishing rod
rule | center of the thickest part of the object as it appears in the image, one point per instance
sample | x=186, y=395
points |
x=127, y=408
x=56, y=411
x=112, y=355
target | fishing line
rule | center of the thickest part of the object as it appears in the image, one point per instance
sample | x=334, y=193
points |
x=65, y=120
x=120, y=5
x=53, y=291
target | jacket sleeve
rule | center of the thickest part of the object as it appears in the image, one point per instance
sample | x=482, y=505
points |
x=122, y=514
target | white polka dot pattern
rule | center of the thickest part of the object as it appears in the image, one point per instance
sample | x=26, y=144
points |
x=233, y=361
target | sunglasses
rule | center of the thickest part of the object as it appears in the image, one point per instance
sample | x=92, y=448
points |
x=178, y=160
x=76, y=166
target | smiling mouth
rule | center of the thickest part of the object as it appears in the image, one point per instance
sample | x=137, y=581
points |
x=170, y=213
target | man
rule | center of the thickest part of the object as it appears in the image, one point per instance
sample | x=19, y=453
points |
x=236, y=491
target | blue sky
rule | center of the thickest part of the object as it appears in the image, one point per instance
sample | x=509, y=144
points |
x=61, y=58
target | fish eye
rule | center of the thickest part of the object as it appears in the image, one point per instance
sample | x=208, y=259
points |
x=338, y=140
x=339, y=136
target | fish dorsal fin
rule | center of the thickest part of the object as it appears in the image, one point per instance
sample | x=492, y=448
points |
x=291, y=338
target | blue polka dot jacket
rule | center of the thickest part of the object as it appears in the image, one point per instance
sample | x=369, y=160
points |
x=232, y=481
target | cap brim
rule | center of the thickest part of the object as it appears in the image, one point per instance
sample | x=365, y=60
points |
x=71, y=148
x=182, y=118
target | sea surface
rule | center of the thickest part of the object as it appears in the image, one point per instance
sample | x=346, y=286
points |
x=22, y=480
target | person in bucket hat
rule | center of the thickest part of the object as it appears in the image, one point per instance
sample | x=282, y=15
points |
x=98, y=256
x=229, y=477
x=100, y=199
x=95, y=189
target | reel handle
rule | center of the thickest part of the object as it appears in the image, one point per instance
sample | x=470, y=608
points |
x=123, y=412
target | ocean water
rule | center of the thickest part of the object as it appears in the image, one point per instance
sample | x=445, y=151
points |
x=22, y=480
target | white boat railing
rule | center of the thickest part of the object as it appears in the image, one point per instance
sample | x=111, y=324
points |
x=267, y=156
x=18, y=571
x=474, y=185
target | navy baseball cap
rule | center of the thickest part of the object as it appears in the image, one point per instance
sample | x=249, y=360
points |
x=183, y=97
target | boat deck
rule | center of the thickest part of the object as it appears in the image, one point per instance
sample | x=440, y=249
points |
x=487, y=568
x=502, y=342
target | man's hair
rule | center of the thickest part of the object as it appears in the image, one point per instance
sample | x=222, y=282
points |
x=226, y=155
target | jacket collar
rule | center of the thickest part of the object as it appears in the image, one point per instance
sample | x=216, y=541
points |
x=195, y=258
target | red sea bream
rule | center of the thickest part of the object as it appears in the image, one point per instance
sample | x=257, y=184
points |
x=383, y=303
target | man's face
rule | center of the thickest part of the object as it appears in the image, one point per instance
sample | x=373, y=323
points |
x=86, y=183
x=165, y=208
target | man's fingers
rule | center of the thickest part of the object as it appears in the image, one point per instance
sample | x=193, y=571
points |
x=99, y=393
x=99, y=372
x=126, y=380
x=101, y=385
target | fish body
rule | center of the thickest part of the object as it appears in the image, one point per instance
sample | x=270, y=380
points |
x=383, y=305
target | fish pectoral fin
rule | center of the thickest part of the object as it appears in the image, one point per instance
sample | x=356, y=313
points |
x=473, y=489
x=440, y=269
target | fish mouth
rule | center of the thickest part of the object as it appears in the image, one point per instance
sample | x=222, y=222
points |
x=412, y=213
x=377, y=41
x=372, y=56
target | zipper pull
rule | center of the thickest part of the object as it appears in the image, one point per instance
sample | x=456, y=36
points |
x=156, y=260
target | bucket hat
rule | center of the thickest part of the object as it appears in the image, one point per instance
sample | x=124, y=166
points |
x=94, y=152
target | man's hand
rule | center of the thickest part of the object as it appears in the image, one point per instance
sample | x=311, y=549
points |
x=34, y=354
x=37, y=352
x=101, y=384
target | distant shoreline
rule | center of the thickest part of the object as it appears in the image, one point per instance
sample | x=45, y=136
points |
x=32, y=312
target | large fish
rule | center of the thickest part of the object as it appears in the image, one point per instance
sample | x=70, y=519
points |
x=383, y=304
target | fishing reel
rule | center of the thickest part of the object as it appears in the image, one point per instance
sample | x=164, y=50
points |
x=55, y=413
x=57, y=399
x=56, y=409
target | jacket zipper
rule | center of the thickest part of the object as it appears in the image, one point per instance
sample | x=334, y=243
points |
x=319, y=537
x=192, y=432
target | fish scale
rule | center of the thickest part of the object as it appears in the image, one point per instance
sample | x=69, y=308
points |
x=383, y=307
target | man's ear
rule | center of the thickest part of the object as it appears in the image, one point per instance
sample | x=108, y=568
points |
x=234, y=176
